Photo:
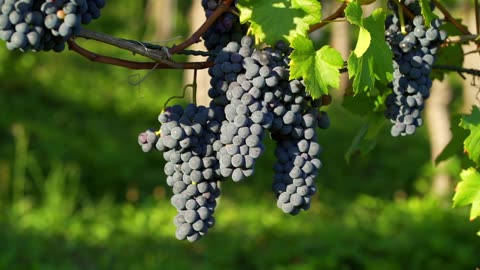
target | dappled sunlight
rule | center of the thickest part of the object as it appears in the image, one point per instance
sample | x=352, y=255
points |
x=362, y=229
x=78, y=193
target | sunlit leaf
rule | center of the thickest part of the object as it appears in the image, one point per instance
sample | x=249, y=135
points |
x=273, y=20
x=371, y=60
x=319, y=69
x=468, y=192
x=471, y=122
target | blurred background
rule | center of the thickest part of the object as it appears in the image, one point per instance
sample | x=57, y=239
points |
x=76, y=191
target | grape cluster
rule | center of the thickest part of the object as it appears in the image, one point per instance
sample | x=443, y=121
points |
x=414, y=55
x=227, y=27
x=296, y=118
x=253, y=88
x=297, y=154
x=45, y=24
x=186, y=140
x=252, y=97
x=295, y=171
x=243, y=130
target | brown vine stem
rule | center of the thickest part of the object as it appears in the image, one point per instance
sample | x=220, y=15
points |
x=160, y=56
x=470, y=71
x=472, y=52
x=462, y=39
x=337, y=14
x=460, y=70
x=224, y=7
x=94, y=57
x=450, y=18
x=406, y=11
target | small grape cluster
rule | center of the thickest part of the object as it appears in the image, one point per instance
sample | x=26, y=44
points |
x=147, y=140
x=243, y=131
x=297, y=159
x=186, y=140
x=227, y=27
x=31, y=25
x=414, y=55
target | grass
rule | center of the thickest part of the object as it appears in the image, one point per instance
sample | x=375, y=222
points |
x=52, y=223
x=367, y=234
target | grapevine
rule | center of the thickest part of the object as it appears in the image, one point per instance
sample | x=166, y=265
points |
x=268, y=81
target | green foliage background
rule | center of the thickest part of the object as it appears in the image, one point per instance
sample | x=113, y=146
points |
x=68, y=157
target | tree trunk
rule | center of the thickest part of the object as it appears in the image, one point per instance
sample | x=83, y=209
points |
x=438, y=120
x=341, y=41
x=470, y=92
x=160, y=15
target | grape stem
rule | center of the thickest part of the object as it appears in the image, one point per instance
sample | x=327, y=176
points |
x=462, y=39
x=224, y=7
x=402, y=19
x=94, y=57
x=160, y=55
x=450, y=18
x=406, y=11
x=337, y=14
x=194, y=87
x=184, y=93
x=460, y=70
x=135, y=45
x=472, y=52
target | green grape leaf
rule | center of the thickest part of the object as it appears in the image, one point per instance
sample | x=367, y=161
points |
x=354, y=15
x=371, y=61
x=319, y=69
x=471, y=122
x=455, y=146
x=427, y=12
x=273, y=20
x=363, y=42
x=468, y=192
x=366, y=138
